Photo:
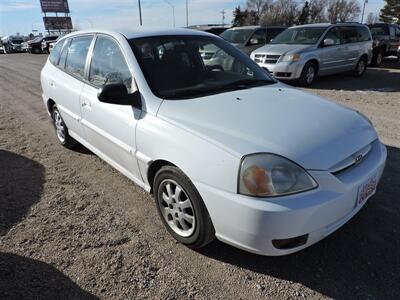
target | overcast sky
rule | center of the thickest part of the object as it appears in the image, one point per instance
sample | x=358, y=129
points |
x=24, y=15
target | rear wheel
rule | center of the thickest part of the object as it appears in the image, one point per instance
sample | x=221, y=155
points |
x=61, y=130
x=378, y=58
x=181, y=208
x=308, y=74
x=360, y=67
x=36, y=50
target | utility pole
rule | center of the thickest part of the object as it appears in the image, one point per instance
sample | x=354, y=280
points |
x=223, y=17
x=187, y=14
x=140, y=14
x=362, y=15
x=173, y=11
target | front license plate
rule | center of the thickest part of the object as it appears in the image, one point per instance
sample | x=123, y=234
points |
x=367, y=189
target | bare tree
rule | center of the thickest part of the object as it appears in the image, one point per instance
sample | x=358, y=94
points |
x=282, y=12
x=258, y=6
x=343, y=10
x=371, y=18
x=318, y=11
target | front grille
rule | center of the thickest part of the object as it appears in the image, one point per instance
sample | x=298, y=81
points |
x=351, y=160
x=266, y=58
x=259, y=58
x=272, y=59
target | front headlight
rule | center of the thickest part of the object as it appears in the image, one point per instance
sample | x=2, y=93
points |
x=291, y=57
x=266, y=175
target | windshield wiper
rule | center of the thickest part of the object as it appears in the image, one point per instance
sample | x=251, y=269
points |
x=245, y=83
x=207, y=90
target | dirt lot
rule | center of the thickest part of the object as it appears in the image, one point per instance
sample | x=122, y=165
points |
x=72, y=227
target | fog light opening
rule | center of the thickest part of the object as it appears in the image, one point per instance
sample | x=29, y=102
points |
x=290, y=243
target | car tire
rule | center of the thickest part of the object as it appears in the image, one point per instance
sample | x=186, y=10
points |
x=308, y=74
x=61, y=130
x=360, y=68
x=36, y=50
x=378, y=58
x=181, y=208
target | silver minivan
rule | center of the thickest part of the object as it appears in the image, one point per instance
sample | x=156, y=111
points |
x=303, y=52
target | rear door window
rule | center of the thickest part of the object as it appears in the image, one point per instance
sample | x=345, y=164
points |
x=363, y=34
x=77, y=53
x=349, y=35
x=379, y=29
x=108, y=64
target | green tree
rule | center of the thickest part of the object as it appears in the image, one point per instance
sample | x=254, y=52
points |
x=305, y=14
x=239, y=17
x=390, y=13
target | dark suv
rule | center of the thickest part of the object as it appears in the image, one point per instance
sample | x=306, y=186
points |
x=35, y=45
x=386, y=41
x=249, y=38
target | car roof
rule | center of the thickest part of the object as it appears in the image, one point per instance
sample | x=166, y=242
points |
x=142, y=32
x=257, y=27
x=326, y=25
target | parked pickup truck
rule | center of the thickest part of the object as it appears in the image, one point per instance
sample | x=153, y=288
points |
x=386, y=41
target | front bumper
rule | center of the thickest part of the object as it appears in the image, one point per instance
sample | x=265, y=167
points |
x=252, y=223
x=285, y=70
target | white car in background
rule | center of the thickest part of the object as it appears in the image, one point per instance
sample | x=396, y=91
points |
x=227, y=151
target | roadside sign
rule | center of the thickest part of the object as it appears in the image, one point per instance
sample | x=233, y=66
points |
x=57, y=6
x=57, y=23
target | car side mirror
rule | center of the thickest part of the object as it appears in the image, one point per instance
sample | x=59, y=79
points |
x=254, y=41
x=117, y=93
x=328, y=42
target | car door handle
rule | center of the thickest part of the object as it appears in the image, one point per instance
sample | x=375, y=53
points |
x=86, y=104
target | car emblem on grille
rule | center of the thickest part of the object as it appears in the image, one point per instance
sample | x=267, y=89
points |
x=358, y=158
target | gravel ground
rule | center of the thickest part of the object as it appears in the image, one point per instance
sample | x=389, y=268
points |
x=73, y=228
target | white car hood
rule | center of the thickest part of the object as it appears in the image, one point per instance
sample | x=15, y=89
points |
x=315, y=133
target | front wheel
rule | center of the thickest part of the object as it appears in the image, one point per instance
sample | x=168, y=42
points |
x=181, y=208
x=308, y=74
x=360, y=67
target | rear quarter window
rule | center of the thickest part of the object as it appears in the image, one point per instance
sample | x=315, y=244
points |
x=56, y=53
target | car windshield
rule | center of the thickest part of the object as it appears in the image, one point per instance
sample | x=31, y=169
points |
x=37, y=39
x=237, y=36
x=299, y=35
x=379, y=29
x=179, y=67
x=17, y=41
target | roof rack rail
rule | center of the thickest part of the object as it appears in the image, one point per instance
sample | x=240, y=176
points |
x=346, y=22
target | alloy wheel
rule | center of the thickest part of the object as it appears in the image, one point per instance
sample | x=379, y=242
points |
x=176, y=208
x=379, y=58
x=361, y=67
x=59, y=125
x=310, y=74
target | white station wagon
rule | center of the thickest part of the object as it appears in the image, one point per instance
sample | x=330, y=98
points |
x=226, y=150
